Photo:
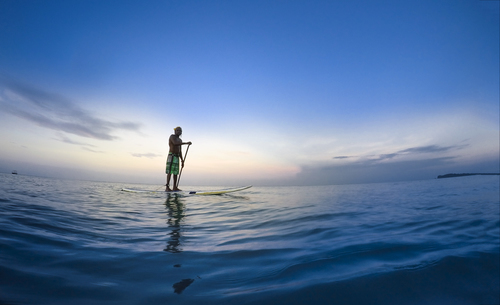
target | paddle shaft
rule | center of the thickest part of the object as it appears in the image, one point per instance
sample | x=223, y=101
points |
x=185, y=155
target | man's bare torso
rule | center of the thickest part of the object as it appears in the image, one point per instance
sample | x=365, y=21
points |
x=174, y=142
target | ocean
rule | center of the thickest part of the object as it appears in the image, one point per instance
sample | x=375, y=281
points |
x=419, y=242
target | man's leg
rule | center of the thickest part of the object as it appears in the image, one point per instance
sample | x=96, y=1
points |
x=167, y=187
x=175, y=184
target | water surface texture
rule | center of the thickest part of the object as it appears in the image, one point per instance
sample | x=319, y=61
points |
x=420, y=242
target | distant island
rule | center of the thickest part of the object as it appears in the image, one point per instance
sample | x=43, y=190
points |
x=461, y=175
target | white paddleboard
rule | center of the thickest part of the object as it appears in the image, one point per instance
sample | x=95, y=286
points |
x=216, y=192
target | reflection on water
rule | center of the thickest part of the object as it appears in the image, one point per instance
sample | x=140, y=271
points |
x=175, y=209
x=180, y=286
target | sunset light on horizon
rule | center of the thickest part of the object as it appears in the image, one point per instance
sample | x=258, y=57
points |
x=268, y=92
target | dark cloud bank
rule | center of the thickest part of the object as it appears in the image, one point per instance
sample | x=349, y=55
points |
x=387, y=167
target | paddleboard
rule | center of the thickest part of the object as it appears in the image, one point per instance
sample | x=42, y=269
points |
x=216, y=192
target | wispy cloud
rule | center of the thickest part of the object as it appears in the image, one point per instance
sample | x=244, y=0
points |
x=53, y=111
x=61, y=137
x=342, y=157
x=146, y=155
x=410, y=152
x=93, y=150
x=430, y=149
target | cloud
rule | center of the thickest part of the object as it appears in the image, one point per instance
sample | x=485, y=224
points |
x=408, y=152
x=342, y=157
x=146, y=155
x=413, y=163
x=430, y=149
x=93, y=151
x=61, y=137
x=56, y=112
x=369, y=172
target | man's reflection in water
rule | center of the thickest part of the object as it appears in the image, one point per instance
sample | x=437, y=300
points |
x=175, y=209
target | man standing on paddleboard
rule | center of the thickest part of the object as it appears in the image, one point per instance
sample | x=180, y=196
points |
x=175, y=153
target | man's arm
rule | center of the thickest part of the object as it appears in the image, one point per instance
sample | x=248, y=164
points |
x=179, y=142
x=184, y=143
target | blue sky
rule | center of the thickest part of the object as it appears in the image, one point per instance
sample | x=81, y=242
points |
x=269, y=92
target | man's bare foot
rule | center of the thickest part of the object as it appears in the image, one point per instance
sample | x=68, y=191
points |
x=177, y=189
x=167, y=189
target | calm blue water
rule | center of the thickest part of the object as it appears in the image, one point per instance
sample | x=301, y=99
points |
x=423, y=242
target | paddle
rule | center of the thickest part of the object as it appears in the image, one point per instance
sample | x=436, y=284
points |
x=179, y=178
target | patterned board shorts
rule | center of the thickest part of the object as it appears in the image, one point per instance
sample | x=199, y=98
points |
x=172, y=164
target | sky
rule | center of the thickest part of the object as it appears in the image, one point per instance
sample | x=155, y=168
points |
x=269, y=92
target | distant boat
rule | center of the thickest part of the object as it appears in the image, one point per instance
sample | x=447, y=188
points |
x=14, y=172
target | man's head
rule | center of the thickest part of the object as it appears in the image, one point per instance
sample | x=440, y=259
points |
x=178, y=130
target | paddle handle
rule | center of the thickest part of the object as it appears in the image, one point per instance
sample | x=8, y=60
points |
x=185, y=155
